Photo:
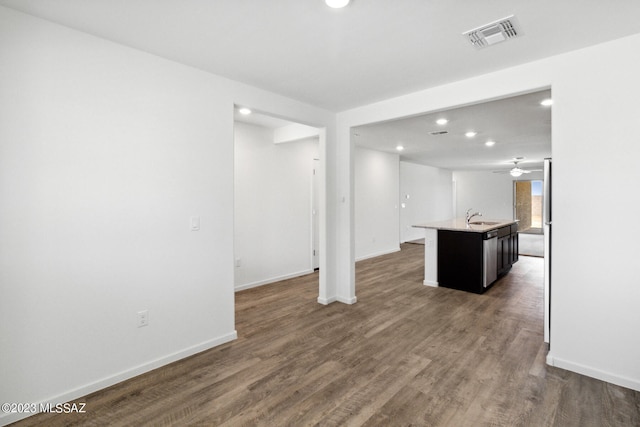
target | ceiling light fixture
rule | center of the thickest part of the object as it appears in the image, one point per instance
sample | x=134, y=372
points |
x=547, y=102
x=516, y=171
x=399, y=148
x=244, y=111
x=490, y=143
x=442, y=121
x=336, y=4
x=470, y=134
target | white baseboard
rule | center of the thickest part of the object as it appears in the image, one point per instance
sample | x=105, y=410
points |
x=373, y=255
x=70, y=395
x=430, y=283
x=327, y=301
x=271, y=280
x=631, y=383
x=345, y=300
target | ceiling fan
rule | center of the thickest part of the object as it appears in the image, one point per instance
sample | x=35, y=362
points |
x=516, y=171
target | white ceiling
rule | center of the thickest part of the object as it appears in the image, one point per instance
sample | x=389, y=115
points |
x=519, y=126
x=260, y=119
x=370, y=51
x=339, y=59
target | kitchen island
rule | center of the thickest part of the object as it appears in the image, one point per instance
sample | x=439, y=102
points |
x=469, y=256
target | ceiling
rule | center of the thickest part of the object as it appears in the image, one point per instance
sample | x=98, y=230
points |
x=519, y=126
x=259, y=119
x=339, y=59
x=369, y=51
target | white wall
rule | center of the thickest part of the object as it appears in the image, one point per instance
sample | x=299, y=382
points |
x=273, y=189
x=594, y=285
x=105, y=155
x=430, y=198
x=376, y=203
x=106, y=152
x=486, y=192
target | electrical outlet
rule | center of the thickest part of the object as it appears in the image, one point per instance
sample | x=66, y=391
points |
x=143, y=318
x=195, y=223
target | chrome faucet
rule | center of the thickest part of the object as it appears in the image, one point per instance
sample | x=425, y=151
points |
x=471, y=215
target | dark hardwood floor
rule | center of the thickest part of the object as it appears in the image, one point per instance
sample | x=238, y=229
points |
x=404, y=354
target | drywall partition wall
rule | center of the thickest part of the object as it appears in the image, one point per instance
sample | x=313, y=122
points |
x=343, y=182
x=294, y=132
x=486, y=192
x=376, y=203
x=594, y=309
x=106, y=155
x=425, y=196
x=273, y=221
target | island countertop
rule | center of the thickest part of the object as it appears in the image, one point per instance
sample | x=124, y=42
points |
x=460, y=224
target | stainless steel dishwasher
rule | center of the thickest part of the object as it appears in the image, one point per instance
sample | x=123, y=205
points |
x=490, y=257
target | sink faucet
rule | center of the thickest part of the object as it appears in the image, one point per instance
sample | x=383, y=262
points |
x=471, y=215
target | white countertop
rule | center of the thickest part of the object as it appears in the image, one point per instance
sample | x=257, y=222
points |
x=460, y=224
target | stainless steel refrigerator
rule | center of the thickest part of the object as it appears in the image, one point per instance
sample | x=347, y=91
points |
x=546, y=221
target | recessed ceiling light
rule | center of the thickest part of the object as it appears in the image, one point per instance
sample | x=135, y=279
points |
x=399, y=148
x=244, y=111
x=470, y=134
x=490, y=143
x=546, y=102
x=336, y=4
x=442, y=121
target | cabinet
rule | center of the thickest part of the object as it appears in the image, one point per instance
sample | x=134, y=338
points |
x=507, y=248
x=515, y=244
x=504, y=250
x=461, y=257
x=460, y=262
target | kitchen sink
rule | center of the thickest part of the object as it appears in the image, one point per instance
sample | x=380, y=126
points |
x=483, y=223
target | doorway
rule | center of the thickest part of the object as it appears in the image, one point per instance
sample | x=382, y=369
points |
x=528, y=206
x=276, y=200
x=528, y=210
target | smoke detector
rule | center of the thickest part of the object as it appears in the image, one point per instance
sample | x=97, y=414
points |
x=494, y=32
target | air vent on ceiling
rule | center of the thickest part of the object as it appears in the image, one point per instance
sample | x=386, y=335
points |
x=494, y=32
x=439, y=132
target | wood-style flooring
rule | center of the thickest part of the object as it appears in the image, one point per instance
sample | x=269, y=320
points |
x=404, y=354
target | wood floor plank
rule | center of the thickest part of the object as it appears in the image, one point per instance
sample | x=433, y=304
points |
x=404, y=354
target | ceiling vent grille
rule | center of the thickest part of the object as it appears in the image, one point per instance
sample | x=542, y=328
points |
x=494, y=32
x=439, y=132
